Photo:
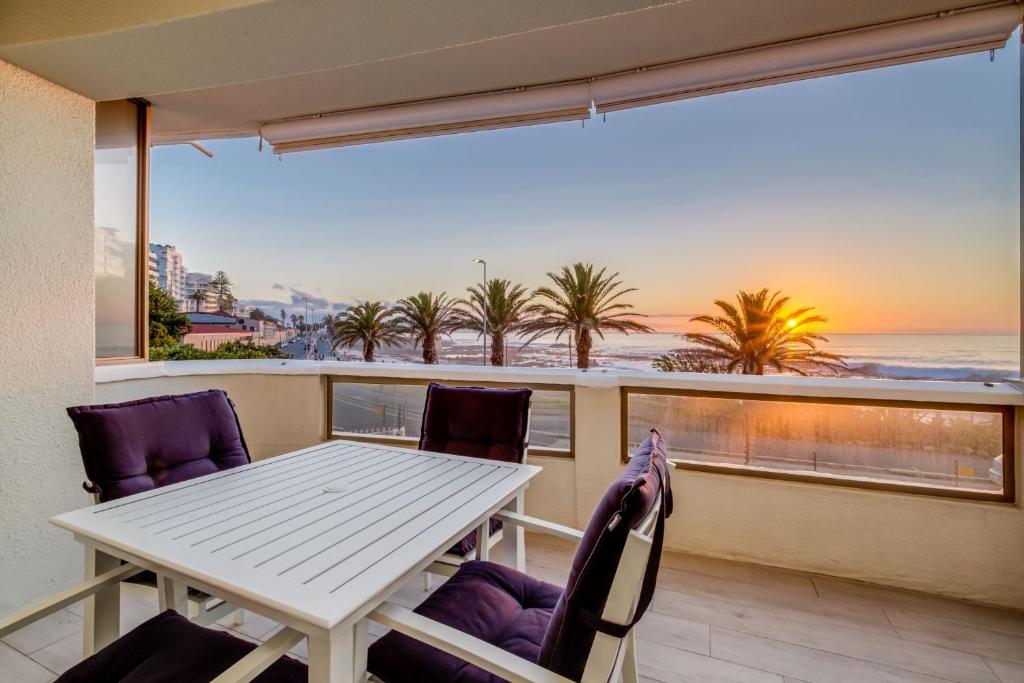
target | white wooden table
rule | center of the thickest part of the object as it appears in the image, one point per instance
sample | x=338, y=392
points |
x=313, y=539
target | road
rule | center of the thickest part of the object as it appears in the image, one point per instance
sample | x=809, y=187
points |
x=300, y=349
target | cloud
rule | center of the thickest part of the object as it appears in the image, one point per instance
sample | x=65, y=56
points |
x=300, y=297
x=264, y=303
x=277, y=285
x=341, y=307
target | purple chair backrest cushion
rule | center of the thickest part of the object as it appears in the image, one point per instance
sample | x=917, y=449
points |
x=577, y=616
x=141, y=445
x=476, y=422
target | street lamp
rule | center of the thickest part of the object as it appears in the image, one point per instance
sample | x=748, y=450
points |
x=484, y=293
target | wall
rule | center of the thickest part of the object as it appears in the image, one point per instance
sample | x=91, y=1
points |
x=47, y=335
x=965, y=549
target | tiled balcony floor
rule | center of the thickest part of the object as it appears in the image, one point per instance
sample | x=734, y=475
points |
x=711, y=621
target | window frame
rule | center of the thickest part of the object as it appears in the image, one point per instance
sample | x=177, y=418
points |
x=1008, y=422
x=142, y=240
x=413, y=442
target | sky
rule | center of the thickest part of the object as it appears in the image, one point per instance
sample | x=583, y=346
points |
x=887, y=199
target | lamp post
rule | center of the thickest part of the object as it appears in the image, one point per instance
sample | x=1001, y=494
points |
x=483, y=263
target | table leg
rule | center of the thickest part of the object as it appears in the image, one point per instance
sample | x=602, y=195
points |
x=102, y=615
x=511, y=551
x=339, y=657
x=172, y=594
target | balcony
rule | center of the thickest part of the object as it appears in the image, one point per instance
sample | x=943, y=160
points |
x=758, y=584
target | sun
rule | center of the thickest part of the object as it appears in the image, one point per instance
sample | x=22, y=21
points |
x=791, y=322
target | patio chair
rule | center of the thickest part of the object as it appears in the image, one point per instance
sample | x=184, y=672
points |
x=490, y=623
x=479, y=423
x=141, y=445
x=168, y=647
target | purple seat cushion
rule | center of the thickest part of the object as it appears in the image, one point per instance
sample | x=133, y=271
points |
x=476, y=422
x=489, y=601
x=468, y=543
x=145, y=444
x=170, y=649
x=631, y=497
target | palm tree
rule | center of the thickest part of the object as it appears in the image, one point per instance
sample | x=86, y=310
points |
x=284, y=317
x=426, y=317
x=199, y=297
x=755, y=334
x=258, y=314
x=583, y=302
x=221, y=284
x=370, y=325
x=295, y=321
x=506, y=313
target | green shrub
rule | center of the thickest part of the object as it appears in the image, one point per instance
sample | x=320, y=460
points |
x=227, y=350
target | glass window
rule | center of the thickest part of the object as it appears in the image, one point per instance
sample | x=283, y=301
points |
x=396, y=410
x=947, y=447
x=118, y=230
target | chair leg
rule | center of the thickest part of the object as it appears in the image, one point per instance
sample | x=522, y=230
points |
x=629, y=668
x=239, y=617
x=426, y=582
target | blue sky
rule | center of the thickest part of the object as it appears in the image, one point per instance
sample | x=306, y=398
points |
x=888, y=199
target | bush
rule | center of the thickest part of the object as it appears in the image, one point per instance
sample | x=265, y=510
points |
x=688, y=360
x=227, y=350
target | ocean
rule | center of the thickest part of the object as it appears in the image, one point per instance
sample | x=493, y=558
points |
x=978, y=357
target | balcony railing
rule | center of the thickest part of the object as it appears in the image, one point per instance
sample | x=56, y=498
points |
x=768, y=468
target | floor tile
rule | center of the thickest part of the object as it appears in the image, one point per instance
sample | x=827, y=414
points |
x=804, y=663
x=1008, y=672
x=669, y=665
x=46, y=631
x=62, y=655
x=17, y=668
x=956, y=636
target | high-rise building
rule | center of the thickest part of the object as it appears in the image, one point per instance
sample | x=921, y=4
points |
x=171, y=272
x=199, y=282
x=109, y=253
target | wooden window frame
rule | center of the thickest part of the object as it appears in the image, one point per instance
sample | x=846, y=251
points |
x=142, y=240
x=412, y=442
x=1008, y=413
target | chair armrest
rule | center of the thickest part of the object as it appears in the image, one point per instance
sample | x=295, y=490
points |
x=259, y=660
x=46, y=606
x=539, y=525
x=462, y=645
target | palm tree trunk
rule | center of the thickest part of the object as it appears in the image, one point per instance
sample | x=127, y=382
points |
x=430, y=350
x=497, y=349
x=368, y=352
x=583, y=344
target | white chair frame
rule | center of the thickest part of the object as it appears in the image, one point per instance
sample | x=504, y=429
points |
x=246, y=669
x=449, y=563
x=611, y=659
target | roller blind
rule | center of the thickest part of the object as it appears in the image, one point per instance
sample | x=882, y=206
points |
x=941, y=35
x=567, y=102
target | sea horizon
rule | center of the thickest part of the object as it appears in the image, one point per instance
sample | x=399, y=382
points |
x=940, y=356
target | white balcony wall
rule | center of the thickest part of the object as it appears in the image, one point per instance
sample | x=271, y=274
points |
x=958, y=548
x=47, y=336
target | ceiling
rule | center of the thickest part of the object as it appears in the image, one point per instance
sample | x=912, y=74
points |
x=217, y=68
